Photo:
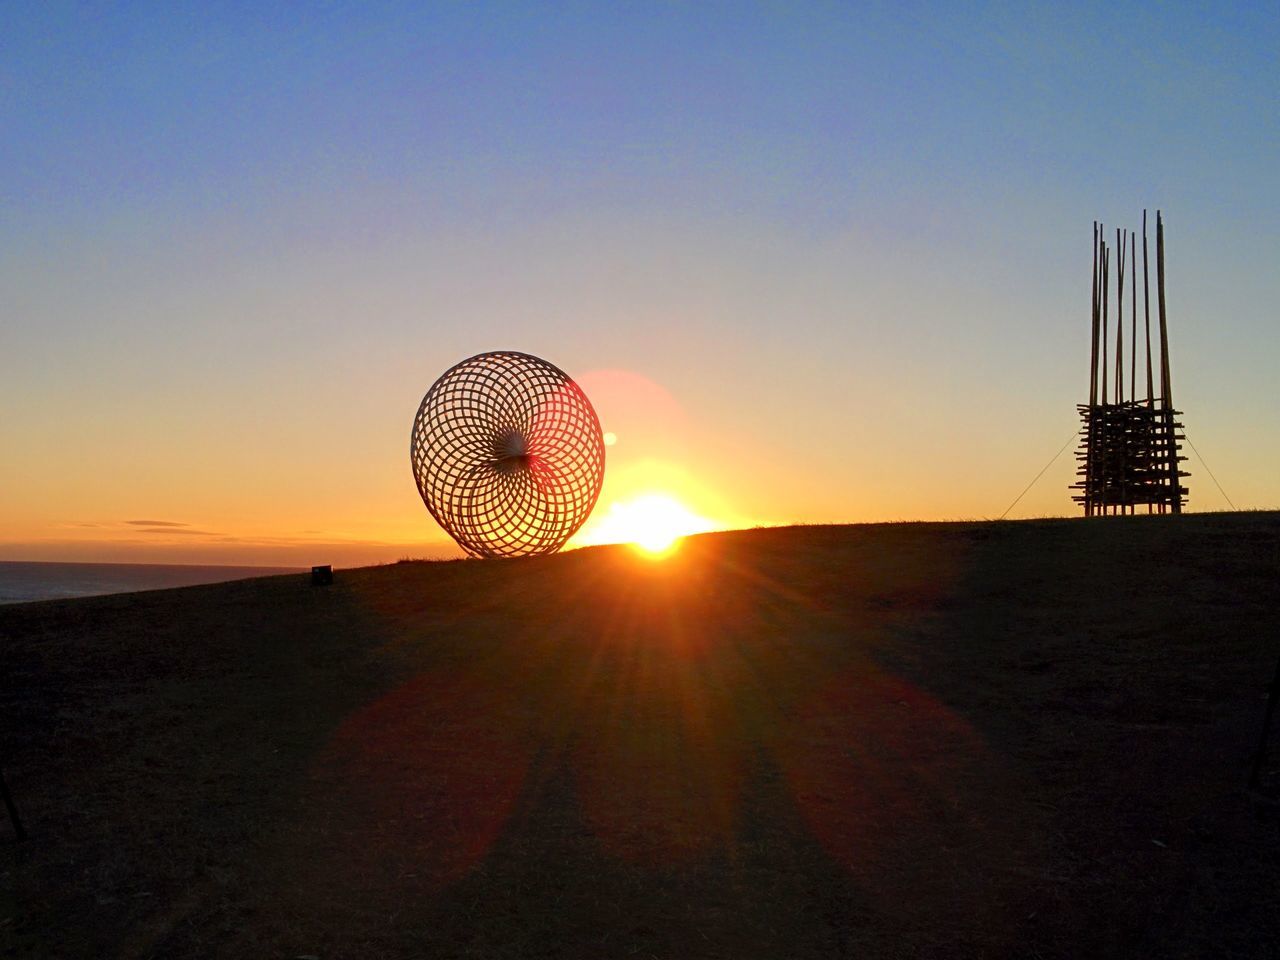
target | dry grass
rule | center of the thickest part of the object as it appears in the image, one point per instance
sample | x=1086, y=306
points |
x=970, y=740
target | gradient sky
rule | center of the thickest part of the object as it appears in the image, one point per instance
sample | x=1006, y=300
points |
x=812, y=262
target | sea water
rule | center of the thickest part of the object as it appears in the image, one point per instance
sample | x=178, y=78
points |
x=21, y=581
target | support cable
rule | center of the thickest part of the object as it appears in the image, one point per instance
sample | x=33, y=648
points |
x=1208, y=471
x=1074, y=433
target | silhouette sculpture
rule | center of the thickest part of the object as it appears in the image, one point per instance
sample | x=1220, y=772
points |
x=1129, y=451
x=508, y=455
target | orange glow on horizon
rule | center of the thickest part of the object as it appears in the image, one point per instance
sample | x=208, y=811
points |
x=653, y=522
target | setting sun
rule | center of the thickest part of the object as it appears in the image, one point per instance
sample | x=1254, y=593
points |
x=653, y=522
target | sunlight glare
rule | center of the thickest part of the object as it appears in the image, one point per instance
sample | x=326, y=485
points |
x=653, y=522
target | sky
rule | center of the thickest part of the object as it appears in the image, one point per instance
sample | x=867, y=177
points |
x=811, y=262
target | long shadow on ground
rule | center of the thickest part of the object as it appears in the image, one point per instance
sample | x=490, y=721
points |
x=909, y=740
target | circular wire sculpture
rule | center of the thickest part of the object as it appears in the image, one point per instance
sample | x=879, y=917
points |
x=508, y=455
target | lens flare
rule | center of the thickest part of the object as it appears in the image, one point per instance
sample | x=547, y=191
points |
x=653, y=522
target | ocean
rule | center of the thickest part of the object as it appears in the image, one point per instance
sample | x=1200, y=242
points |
x=22, y=581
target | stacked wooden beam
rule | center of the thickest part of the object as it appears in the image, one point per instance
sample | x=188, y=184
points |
x=1130, y=445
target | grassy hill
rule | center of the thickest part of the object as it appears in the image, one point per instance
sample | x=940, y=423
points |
x=975, y=739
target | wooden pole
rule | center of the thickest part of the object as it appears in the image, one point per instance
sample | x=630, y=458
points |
x=1166, y=377
x=1166, y=387
x=1146, y=308
x=1102, y=470
x=1090, y=427
x=1102, y=296
x=1133, y=329
x=1119, y=317
x=1093, y=345
x=1120, y=443
x=1133, y=317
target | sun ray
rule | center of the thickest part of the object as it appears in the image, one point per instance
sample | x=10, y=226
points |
x=653, y=522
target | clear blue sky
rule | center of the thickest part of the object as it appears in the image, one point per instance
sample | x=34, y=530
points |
x=850, y=241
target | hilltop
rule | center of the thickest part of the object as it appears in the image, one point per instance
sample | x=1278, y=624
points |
x=968, y=739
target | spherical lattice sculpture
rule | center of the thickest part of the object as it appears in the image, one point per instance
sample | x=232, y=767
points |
x=508, y=455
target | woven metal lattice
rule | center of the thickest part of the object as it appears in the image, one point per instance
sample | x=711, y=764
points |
x=508, y=455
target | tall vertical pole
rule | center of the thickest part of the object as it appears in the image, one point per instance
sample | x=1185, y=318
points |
x=1146, y=308
x=1093, y=344
x=1101, y=469
x=1102, y=296
x=1133, y=317
x=1090, y=425
x=1120, y=441
x=1166, y=378
x=1166, y=388
x=1146, y=300
x=1119, y=317
x=1133, y=330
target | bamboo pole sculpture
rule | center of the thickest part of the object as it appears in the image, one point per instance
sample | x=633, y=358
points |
x=1130, y=449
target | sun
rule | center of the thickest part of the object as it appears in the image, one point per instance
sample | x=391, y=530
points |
x=652, y=522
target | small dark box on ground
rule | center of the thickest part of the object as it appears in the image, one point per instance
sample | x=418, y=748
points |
x=321, y=576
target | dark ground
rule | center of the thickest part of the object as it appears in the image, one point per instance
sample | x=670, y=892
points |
x=954, y=740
